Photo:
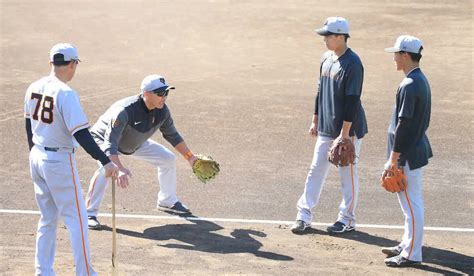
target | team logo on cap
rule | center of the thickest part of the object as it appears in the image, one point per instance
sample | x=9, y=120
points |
x=162, y=81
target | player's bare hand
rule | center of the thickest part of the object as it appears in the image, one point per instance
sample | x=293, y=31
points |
x=126, y=171
x=339, y=139
x=192, y=159
x=313, y=130
x=122, y=179
x=111, y=170
x=387, y=166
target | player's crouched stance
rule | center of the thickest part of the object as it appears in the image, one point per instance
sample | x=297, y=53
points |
x=409, y=148
x=54, y=122
x=125, y=129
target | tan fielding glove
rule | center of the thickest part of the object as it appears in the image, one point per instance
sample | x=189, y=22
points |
x=205, y=168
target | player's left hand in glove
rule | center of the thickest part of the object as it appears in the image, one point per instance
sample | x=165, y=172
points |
x=205, y=168
x=393, y=178
x=342, y=152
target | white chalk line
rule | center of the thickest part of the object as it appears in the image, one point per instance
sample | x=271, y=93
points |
x=258, y=221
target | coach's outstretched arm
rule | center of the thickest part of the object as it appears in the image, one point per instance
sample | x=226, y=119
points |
x=123, y=172
x=84, y=138
x=186, y=153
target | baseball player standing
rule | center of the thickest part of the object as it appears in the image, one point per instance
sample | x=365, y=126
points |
x=338, y=115
x=409, y=148
x=125, y=128
x=55, y=124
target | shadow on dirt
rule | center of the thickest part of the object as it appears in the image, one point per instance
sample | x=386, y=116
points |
x=200, y=236
x=431, y=255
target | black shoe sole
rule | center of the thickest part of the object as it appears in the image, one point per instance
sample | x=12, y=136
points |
x=298, y=232
x=99, y=227
x=390, y=253
x=406, y=264
x=172, y=211
x=340, y=232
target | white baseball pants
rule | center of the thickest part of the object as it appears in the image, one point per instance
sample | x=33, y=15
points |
x=58, y=195
x=315, y=181
x=411, y=201
x=153, y=153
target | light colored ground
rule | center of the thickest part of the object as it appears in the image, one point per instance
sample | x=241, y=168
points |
x=152, y=247
x=245, y=73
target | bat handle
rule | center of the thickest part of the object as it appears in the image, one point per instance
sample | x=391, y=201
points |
x=114, y=231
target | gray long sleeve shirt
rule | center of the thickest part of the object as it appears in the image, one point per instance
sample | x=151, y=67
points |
x=128, y=123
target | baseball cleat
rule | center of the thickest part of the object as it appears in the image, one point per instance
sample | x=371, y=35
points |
x=93, y=223
x=339, y=228
x=299, y=227
x=392, y=251
x=178, y=208
x=399, y=261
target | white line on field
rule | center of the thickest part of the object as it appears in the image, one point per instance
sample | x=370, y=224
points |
x=259, y=221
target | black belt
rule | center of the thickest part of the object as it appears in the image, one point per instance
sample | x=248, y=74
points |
x=56, y=149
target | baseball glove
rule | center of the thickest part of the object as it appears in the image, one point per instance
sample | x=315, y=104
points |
x=205, y=168
x=393, y=179
x=342, y=152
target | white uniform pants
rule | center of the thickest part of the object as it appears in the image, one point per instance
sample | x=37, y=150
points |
x=315, y=181
x=58, y=195
x=153, y=153
x=411, y=201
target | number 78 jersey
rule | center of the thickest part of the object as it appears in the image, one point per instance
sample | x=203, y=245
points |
x=55, y=113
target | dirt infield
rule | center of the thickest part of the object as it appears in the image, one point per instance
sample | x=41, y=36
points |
x=152, y=247
x=245, y=73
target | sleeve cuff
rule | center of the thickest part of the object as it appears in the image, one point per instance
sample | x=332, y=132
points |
x=79, y=127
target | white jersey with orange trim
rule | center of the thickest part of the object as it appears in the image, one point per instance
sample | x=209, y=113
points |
x=55, y=113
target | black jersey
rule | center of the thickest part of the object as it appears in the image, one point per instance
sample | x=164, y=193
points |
x=340, y=77
x=414, y=103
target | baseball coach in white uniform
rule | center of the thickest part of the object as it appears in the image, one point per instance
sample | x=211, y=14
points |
x=55, y=126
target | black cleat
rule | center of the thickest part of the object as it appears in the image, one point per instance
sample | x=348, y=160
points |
x=392, y=251
x=299, y=227
x=93, y=223
x=339, y=228
x=178, y=208
x=399, y=261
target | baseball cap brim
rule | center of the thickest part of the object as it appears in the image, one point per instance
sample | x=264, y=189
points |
x=59, y=57
x=163, y=88
x=323, y=32
x=392, y=50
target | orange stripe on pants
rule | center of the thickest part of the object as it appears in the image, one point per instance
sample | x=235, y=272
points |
x=79, y=213
x=92, y=190
x=413, y=223
x=352, y=181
